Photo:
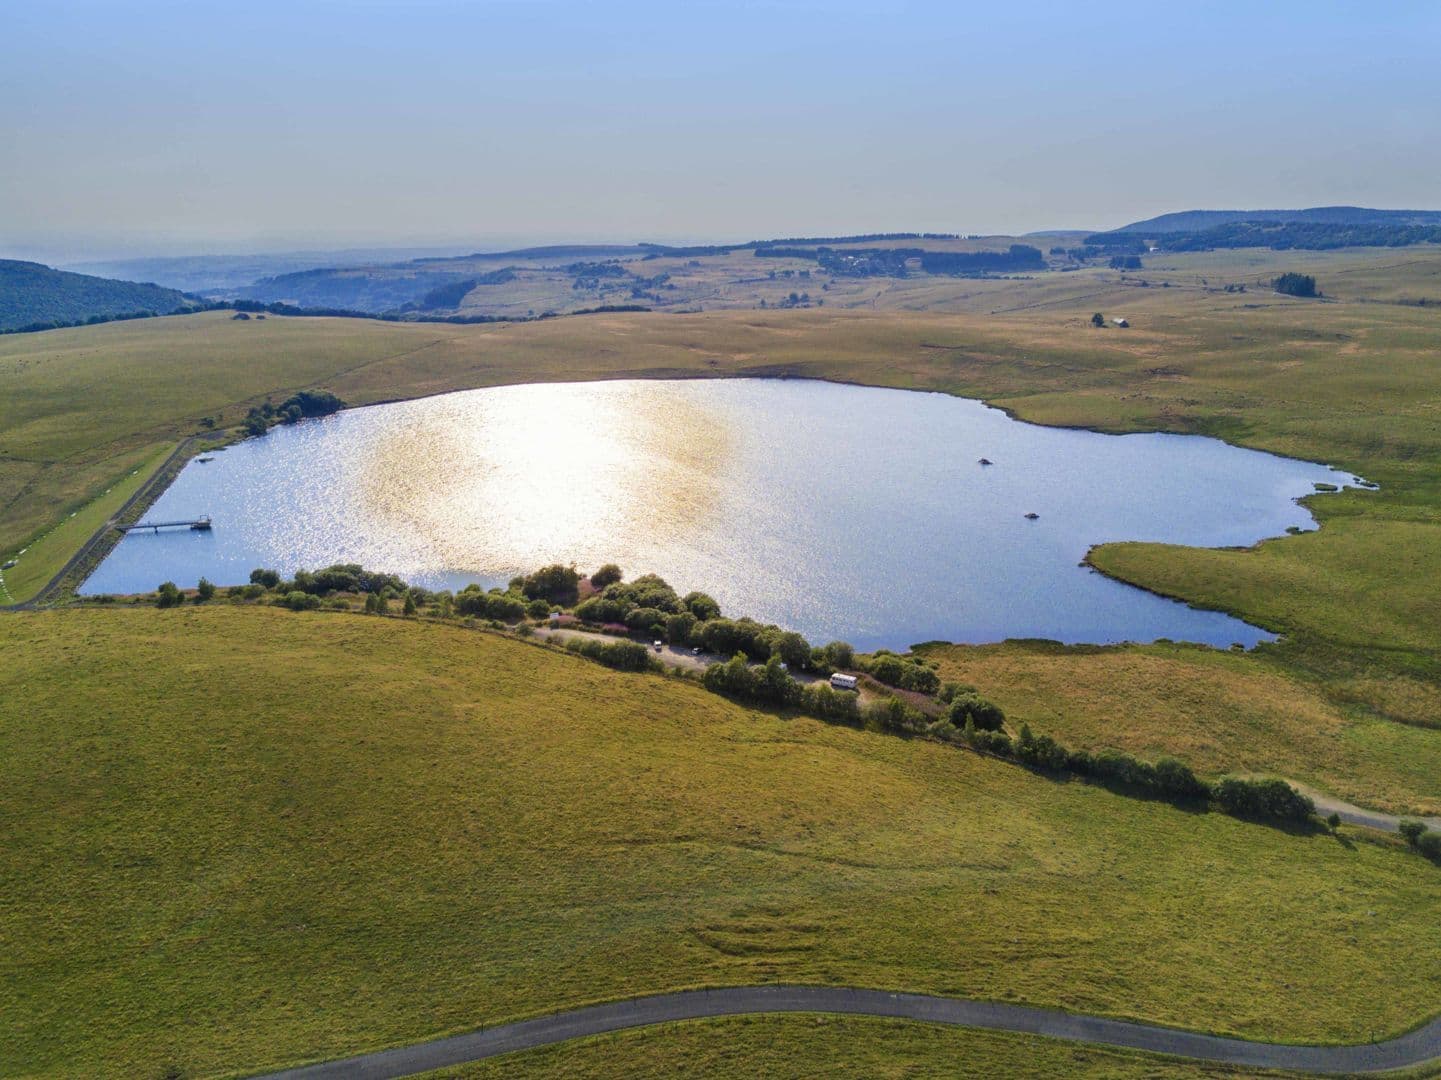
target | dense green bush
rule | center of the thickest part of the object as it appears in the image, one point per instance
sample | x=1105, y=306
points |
x=609, y=574
x=891, y=713
x=820, y=700
x=969, y=706
x=793, y=649
x=1176, y=778
x=506, y=607
x=601, y=609
x=339, y=577
x=991, y=742
x=301, y=601
x=1412, y=831
x=680, y=627
x=555, y=584
x=1294, y=284
x=646, y=620
x=306, y=403
x=839, y=655
x=730, y=636
x=1262, y=799
x=904, y=673
x=700, y=605
x=1043, y=752
x=204, y=591
x=168, y=595
x=621, y=655
x=768, y=684
x=1116, y=767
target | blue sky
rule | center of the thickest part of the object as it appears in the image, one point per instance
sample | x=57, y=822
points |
x=196, y=127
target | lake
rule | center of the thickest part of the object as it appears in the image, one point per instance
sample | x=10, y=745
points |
x=839, y=511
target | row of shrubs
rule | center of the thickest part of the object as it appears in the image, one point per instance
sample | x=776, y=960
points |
x=973, y=721
x=621, y=655
x=299, y=406
x=903, y=672
x=1166, y=778
x=771, y=684
x=648, y=606
x=1421, y=838
x=968, y=718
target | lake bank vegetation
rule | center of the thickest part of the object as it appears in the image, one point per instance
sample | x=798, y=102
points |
x=614, y=622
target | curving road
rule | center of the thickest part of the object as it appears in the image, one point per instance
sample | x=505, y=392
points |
x=1357, y=815
x=1414, y=1048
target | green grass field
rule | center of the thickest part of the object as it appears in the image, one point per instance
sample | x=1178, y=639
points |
x=47, y=554
x=240, y=837
x=1350, y=381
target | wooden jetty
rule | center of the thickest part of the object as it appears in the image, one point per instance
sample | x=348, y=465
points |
x=200, y=524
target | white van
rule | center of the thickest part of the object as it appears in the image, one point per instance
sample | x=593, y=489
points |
x=843, y=682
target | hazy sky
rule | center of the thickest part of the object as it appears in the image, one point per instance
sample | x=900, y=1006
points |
x=192, y=126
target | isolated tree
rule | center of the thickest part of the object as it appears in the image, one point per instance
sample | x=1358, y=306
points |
x=204, y=591
x=1098, y=319
x=555, y=583
x=839, y=654
x=168, y=595
x=608, y=574
x=701, y=605
x=1294, y=284
x=793, y=649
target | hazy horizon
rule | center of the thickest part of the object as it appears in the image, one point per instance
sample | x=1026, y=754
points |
x=166, y=129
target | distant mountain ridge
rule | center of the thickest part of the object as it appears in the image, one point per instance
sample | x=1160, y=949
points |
x=1199, y=220
x=34, y=296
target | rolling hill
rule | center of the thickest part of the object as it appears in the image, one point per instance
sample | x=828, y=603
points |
x=33, y=296
x=1195, y=220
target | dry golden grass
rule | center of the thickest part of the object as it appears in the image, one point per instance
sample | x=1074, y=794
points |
x=1219, y=712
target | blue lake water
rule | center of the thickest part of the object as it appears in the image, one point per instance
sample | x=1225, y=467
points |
x=840, y=511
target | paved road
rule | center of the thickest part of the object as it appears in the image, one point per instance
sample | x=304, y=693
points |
x=1357, y=815
x=675, y=656
x=670, y=655
x=1413, y=1048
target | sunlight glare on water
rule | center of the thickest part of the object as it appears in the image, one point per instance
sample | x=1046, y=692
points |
x=545, y=473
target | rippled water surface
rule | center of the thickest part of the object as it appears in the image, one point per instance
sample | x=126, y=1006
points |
x=839, y=511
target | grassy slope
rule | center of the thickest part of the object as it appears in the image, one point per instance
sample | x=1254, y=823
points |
x=241, y=837
x=1218, y=711
x=78, y=406
x=49, y=552
x=795, y=1046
